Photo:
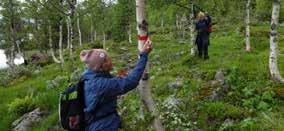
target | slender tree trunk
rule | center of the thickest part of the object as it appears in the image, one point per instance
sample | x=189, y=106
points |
x=248, y=26
x=79, y=30
x=71, y=41
x=60, y=45
x=273, y=60
x=12, y=38
x=192, y=28
x=177, y=22
x=72, y=4
x=182, y=26
x=68, y=32
x=104, y=40
x=37, y=35
x=51, y=47
x=144, y=87
x=92, y=30
x=162, y=23
x=95, y=35
x=129, y=34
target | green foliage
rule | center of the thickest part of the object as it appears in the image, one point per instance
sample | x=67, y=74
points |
x=212, y=114
x=124, y=19
x=56, y=82
x=254, y=93
x=263, y=9
x=10, y=75
x=20, y=106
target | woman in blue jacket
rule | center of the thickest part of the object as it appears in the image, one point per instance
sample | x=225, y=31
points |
x=202, y=38
x=101, y=89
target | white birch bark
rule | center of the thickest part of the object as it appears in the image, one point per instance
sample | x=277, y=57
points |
x=51, y=47
x=92, y=30
x=273, y=59
x=68, y=32
x=79, y=30
x=60, y=45
x=104, y=40
x=144, y=87
x=248, y=25
x=71, y=40
x=192, y=28
x=129, y=34
x=95, y=35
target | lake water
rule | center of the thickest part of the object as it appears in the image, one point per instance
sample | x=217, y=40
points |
x=3, y=60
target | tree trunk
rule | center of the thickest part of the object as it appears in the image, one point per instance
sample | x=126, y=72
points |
x=79, y=30
x=192, y=28
x=71, y=41
x=104, y=40
x=129, y=34
x=37, y=35
x=182, y=25
x=72, y=4
x=144, y=87
x=273, y=64
x=92, y=30
x=95, y=35
x=248, y=26
x=51, y=47
x=60, y=45
x=68, y=32
x=162, y=23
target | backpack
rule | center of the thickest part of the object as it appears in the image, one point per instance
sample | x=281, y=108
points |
x=71, y=107
x=210, y=29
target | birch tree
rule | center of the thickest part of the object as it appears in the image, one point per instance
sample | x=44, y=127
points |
x=50, y=45
x=60, y=45
x=61, y=39
x=192, y=28
x=144, y=87
x=79, y=29
x=248, y=25
x=68, y=32
x=71, y=14
x=273, y=59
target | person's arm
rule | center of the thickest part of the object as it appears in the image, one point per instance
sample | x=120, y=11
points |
x=121, y=85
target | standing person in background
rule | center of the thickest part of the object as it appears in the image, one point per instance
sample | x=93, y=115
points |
x=202, y=39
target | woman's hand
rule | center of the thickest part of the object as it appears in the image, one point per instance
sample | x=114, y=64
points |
x=147, y=46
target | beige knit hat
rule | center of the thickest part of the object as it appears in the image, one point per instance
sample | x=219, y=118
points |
x=96, y=59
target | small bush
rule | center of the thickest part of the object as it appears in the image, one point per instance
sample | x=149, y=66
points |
x=21, y=106
x=57, y=82
x=213, y=114
x=9, y=75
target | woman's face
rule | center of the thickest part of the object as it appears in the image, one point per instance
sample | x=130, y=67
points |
x=201, y=18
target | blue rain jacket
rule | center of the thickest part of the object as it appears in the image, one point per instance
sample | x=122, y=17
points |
x=100, y=95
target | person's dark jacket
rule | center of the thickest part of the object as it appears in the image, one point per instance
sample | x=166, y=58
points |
x=100, y=95
x=202, y=37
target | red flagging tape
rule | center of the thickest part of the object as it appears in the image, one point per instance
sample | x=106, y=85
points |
x=142, y=37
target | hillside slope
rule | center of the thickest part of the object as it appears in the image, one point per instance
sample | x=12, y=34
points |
x=181, y=85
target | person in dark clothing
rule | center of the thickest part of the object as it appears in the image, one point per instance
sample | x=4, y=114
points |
x=202, y=39
x=101, y=89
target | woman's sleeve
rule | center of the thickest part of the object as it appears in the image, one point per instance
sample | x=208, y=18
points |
x=121, y=85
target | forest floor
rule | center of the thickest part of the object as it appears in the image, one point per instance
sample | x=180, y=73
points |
x=181, y=85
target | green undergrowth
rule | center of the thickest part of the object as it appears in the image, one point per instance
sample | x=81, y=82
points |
x=250, y=103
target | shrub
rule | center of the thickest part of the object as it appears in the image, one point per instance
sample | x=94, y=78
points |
x=213, y=114
x=9, y=75
x=57, y=82
x=21, y=106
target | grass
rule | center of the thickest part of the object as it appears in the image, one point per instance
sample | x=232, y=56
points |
x=226, y=52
